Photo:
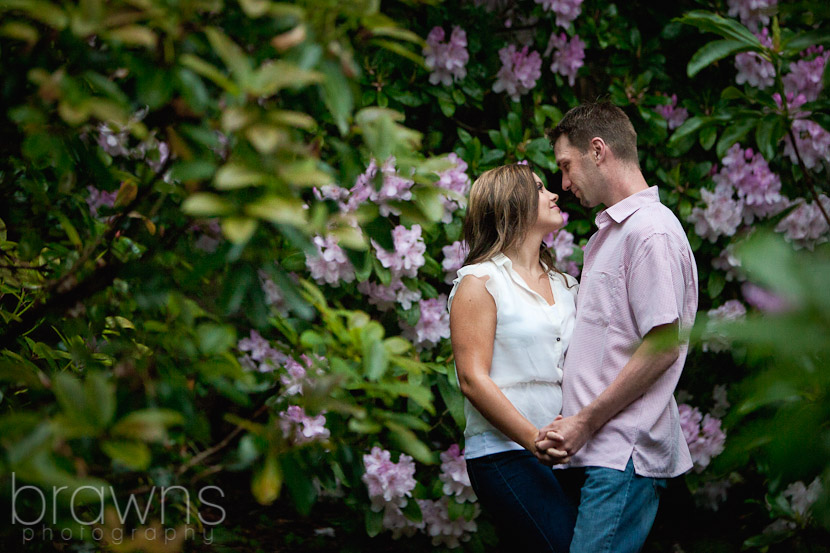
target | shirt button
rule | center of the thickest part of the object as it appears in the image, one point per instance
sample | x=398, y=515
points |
x=558, y=339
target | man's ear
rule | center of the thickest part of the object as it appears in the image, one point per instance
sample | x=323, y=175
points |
x=598, y=149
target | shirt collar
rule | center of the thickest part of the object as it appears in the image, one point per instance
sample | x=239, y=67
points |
x=501, y=259
x=623, y=209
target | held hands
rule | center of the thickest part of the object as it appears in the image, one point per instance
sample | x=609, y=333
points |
x=561, y=439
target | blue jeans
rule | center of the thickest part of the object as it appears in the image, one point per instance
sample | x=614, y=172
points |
x=616, y=510
x=524, y=500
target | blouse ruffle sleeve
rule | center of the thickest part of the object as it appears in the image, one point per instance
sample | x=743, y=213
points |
x=485, y=269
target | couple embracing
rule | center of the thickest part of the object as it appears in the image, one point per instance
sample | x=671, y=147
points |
x=606, y=410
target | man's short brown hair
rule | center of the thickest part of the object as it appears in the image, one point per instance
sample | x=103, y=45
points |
x=602, y=119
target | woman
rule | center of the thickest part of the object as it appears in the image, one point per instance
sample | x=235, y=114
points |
x=511, y=317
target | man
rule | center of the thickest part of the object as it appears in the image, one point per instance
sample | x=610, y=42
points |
x=638, y=287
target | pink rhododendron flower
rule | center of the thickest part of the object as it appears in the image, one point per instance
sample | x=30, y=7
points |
x=673, y=115
x=99, y=198
x=408, y=255
x=432, y=326
x=732, y=310
x=440, y=528
x=454, y=256
x=330, y=265
x=454, y=475
x=752, y=12
x=756, y=185
x=388, y=482
x=302, y=428
x=805, y=76
x=457, y=181
x=805, y=226
x=703, y=435
x=722, y=214
x=752, y=68
x=566, y=10
x=568, y=55
x=261, y=356
x=519, y=71
x=446, y=60
x=762, y=299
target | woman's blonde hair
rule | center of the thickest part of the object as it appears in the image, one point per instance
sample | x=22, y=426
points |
x=504, y=204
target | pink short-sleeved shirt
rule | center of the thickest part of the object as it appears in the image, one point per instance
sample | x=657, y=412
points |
x=639, y=272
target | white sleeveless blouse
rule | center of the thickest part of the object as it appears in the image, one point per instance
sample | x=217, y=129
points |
x=528, y=352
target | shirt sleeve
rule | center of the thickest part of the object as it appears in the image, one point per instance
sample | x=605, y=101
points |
x=655, y=283
x=484, y=269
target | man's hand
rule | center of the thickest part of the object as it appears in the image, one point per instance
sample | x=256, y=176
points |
x=563, y=435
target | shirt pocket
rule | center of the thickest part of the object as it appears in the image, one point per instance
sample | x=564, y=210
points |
x=598, y=292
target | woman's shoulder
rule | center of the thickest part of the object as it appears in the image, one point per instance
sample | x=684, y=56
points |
x=486, y=268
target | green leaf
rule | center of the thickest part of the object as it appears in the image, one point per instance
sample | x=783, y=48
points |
x=239, y=229
x=374, y=522
x=233, y=56
x=727, y=28
x=688, y=128
x=715, y=284
x=234, y=175
x=298, y=480
x=99, y=397
x=279, y=210
x=802, y=41
x=769, y=131
x=453, y=399
x=147, y=425
x=70, y=395
x=447, y=106
x=707, y=137
x=407, y=441
x=713, y=52
x=133, y=455
x=375, y=360
x=215, y=338
x=205, y=204
x=412, y=511
x=428, y=200
x=734, y=133
x=337, y=96
x=267, y=480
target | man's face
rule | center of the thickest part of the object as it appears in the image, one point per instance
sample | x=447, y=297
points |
x=579, y=172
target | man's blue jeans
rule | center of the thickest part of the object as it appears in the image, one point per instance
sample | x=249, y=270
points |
x=524, y=500
x=616, y=510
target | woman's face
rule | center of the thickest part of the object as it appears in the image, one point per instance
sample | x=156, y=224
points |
x=549, y=216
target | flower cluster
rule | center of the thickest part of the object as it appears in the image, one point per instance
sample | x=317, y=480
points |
x=114, y=140
x=519, y=71
x=563, y=245
x=385, y=297
x=454, y=256
x=441, y=528
x=752, y=68
x=566, y=10
x=756, y=185
x=703, y=435
x=752, y=12
x=456, y=181
x=454, y=475
x=388, y=482
x=394, y=187
x=99, y=198
x=408, y=255
x=732, y=310
x=801, y=498
x=210, y=234
x=433, y=324
x=301, y=428
x=260, y=356
x=805, y=75
x=568, y=55
x=390, y=486
x=712, y=493
x=721, y=216
x=727, y=262
x=330, y=264
x=446, y=60
x=805, y=226
x=273, y=295
x=673, y=115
